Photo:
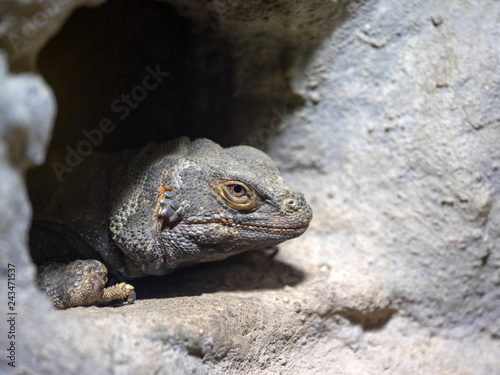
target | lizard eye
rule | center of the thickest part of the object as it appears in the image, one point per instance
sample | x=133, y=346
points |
x=238, y=195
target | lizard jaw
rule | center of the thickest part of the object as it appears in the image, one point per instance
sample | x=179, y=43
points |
x=218, y=231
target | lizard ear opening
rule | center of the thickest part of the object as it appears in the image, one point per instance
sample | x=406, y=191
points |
x=238, y=195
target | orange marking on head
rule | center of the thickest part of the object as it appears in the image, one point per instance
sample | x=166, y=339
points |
x=163, y=187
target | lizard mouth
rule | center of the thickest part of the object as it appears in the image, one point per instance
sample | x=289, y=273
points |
x=253, y=228
x=276, y=228
x=296, y=228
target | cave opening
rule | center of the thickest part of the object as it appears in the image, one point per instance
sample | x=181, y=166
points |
x=141, y=72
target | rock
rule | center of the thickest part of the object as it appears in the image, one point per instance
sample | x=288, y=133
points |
x=40, y=339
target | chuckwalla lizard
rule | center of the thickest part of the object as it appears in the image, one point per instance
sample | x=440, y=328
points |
x=150, y=211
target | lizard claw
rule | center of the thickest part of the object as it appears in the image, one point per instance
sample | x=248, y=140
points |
x=129, y=291
x=132, y=296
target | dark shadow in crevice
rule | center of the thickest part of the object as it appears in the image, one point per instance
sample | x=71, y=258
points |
x=370, y=321
x=254, y=270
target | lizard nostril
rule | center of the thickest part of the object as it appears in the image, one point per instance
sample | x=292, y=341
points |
x=291, y=204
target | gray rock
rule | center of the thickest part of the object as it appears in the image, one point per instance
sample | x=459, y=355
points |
x=42, y=341
x=386, y=114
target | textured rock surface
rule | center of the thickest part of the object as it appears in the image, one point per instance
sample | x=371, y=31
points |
x=42, y=339
x=386, y=114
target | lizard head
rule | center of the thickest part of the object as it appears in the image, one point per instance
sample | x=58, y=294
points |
x=215, y=202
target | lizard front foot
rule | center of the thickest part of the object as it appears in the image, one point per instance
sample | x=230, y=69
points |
x=81, y=283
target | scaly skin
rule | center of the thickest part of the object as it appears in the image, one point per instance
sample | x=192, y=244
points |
x=150, y=211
